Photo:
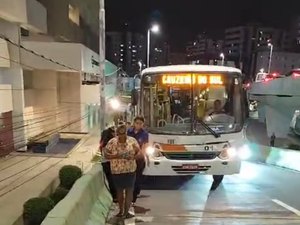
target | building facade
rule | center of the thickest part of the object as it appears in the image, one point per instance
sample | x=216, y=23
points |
x=204, y=49
x=126, y=49
x=282, y=62
x=49, y=79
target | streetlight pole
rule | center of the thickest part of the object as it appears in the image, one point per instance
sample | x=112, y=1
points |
x=102, y=63
x=148, y=48
x=271, y=55
x=154, y=29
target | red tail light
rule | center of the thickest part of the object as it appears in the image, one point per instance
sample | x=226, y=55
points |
x=296, y=75
x=268, y=79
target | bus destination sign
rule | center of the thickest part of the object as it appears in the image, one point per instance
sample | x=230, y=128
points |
x=214, y=79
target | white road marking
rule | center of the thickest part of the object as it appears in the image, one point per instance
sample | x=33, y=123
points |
x=290, y=208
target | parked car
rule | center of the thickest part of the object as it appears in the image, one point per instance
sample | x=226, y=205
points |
x=295, y=73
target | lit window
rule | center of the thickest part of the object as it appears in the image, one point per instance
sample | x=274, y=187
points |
x=74, y=15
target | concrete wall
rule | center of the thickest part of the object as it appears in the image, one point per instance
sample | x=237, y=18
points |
x=60, y=26
x=14, y=77
x=27, y=13
x=36, y=16
x=6, y=104
x=14, y=10
x=278, y=100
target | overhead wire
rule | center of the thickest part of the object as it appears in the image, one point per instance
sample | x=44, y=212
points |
x=31, y=129
x=46, y=57
x=46, y=134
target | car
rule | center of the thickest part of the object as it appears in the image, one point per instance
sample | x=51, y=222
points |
x=295, y=73
x=260, y=77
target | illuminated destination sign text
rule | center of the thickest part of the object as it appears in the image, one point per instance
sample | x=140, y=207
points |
x=194, y=79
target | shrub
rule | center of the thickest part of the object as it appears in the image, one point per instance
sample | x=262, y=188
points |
x=35, y=210
x=68, y=176
x=59, y=194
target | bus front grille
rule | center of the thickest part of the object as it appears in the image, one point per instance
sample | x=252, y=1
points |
x=191, y=155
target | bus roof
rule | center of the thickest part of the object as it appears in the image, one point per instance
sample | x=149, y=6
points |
x=190, y=68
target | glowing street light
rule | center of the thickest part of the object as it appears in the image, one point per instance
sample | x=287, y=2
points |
x=222, y=56
x=154, y=29
x=271, y=55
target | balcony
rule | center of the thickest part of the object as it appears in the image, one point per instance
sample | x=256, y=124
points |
x=29, y=13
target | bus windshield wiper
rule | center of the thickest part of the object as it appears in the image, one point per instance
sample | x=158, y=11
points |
x=208, y=128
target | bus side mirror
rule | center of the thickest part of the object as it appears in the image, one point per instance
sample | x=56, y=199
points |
x=134, y=97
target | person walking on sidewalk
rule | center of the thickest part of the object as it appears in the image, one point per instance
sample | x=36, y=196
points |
x=106, y=136
x=122, y=152
x=142, y=138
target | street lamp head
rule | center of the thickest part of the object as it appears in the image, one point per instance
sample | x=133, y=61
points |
x=270, y=44
x=140, y=64
x=222, y=55
x=155, y=28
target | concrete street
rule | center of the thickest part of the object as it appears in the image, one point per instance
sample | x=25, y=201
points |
x=259, y=195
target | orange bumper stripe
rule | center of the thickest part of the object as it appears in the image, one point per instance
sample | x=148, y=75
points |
x=173, y=148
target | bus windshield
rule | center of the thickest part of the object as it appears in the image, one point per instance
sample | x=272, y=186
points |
x=180, y=103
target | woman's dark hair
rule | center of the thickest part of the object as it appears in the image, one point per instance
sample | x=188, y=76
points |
x=121, y=130
x=141, y=118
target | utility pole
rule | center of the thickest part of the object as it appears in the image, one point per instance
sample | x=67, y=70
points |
x=102, y=108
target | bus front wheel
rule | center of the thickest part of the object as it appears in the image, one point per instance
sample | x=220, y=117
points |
x=217, y=181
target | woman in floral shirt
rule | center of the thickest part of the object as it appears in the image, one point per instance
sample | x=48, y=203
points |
x=122, y=152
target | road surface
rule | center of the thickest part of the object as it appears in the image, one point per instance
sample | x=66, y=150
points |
x=259, y=195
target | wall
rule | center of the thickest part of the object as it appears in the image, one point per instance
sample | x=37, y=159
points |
x=14, y=77
x=6, y=104
x=65, y=53
x=69, y=98
x=27, y=13
x=40, y=101
x=60, y=27
x=14, y=10
x=36, y=16
x=6, y=133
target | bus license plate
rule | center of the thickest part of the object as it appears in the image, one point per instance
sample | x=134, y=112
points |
x=189, y=167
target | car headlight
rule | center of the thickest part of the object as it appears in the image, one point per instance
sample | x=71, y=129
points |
x=153, y=151
x=227, y=153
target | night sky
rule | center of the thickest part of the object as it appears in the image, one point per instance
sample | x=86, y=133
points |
x=181, y=20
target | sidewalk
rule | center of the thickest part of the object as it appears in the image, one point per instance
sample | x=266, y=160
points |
x=24, y=177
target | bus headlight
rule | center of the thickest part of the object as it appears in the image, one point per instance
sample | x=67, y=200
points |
x=153, y=151
x=244, y=152
x=228, y=153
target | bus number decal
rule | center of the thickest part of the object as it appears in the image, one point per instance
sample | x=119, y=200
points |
x=207, y=148
x=171, y=141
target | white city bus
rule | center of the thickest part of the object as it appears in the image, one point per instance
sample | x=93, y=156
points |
x=195, y=116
